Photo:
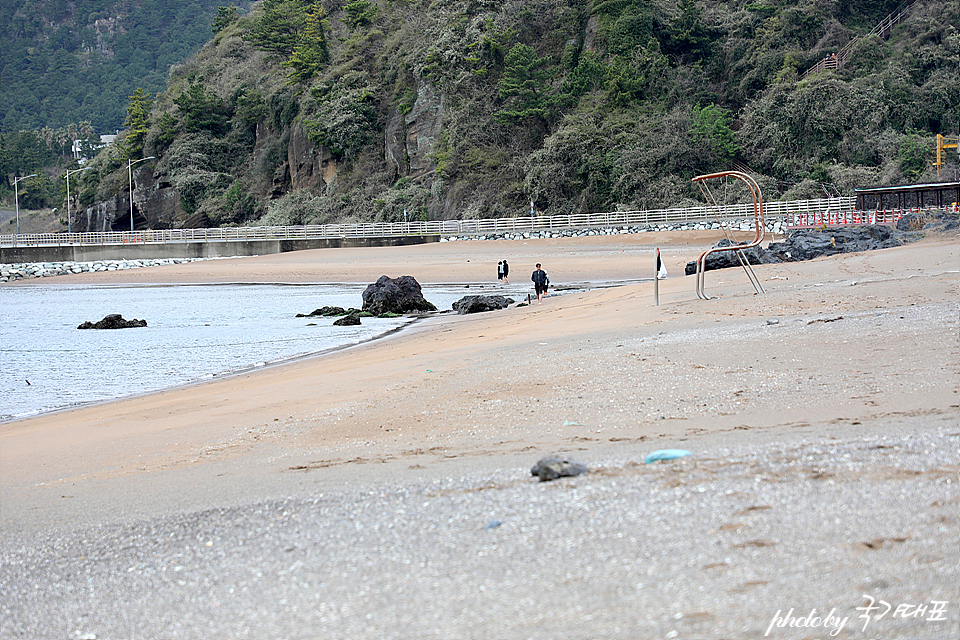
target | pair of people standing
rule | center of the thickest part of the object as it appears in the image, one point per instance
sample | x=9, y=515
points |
x=503, y=271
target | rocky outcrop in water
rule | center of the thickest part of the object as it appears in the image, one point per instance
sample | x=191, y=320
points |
x=325, y=311
x=113, y=321
x=395, y=295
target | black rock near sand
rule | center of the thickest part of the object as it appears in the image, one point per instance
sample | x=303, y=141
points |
x=479, y=304
x=395, y=295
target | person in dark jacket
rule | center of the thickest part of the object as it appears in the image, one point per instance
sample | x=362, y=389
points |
x=506, y=272
x=540, y=282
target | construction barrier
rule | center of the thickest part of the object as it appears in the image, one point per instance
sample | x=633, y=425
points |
x=815, y=219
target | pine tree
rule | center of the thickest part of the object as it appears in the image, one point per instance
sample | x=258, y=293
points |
x=137, y=122
x=524, y=78
x=278, y=29
x=311, y=53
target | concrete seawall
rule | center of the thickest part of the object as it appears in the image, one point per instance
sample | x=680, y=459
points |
x=213, y=249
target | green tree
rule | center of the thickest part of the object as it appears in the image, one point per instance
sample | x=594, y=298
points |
x=686, y=35
x=524, y=79
x=311, y=53
x=344, y=123
x=710, y=126
x=278, y=29
x=360, y=13
x=203, y=110
x=914, y=155
x=137, y=122
x=224, y=18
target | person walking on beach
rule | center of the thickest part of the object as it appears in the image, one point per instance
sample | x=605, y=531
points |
x=500, y=271
x=540, y=282
x=506, y=272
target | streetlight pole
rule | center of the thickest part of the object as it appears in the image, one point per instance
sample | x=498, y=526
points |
x=67, y=175
x=130, y=164
x=16, y=198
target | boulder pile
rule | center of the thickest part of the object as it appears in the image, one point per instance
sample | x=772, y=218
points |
x=807, y=244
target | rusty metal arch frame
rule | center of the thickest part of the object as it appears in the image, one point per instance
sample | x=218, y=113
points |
x=736, y=248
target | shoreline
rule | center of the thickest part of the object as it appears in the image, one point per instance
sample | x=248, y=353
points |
x=386, y=464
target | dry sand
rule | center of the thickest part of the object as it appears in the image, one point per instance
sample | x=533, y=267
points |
x=358, y=494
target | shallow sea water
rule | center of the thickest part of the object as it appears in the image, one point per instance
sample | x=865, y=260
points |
x=193, y=332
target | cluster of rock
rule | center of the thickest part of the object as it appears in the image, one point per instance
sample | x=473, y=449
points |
x=345, y=317
x=386, y=298
x=113, y=321
x=807, y=244
x=333, y=311
x=773, y=226
x=26, y=270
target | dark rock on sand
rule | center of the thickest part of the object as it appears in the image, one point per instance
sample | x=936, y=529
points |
x=552, y=467
x=395, y=295
x=726, y=259
x=347, y=321
x=479, y=304
x=113, y=321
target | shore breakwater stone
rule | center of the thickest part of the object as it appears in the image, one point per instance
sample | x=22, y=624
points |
x=807, y=244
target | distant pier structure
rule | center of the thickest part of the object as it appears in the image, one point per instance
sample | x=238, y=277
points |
x=911, y=196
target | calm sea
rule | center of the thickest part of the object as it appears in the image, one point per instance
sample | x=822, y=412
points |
x=193, y=332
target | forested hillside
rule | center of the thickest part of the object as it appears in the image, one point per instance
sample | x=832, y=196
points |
x=314, y=112
x=68, y=61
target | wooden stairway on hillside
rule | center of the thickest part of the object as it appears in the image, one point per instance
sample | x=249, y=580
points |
x=839, y=59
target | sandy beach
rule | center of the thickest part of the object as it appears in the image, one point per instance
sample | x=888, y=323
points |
x=383, y=491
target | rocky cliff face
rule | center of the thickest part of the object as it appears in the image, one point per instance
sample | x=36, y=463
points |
x=156, y=205
x=310, y=167
x=411, y=139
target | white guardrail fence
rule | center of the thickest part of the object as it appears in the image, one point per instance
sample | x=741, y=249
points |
x=785, y=211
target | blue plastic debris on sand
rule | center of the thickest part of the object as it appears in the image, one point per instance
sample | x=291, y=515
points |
x=666, y=454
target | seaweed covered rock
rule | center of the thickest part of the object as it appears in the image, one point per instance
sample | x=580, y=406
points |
x=324, y=311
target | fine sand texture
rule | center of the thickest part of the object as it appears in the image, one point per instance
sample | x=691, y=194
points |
x=384, y=491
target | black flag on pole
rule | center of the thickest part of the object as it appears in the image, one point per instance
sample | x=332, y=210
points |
x=661, y=269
